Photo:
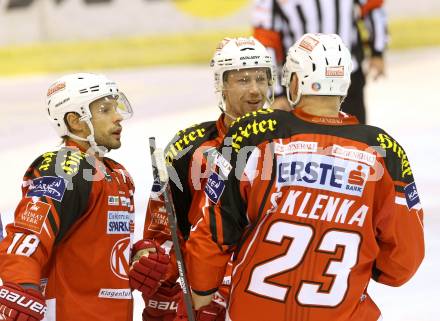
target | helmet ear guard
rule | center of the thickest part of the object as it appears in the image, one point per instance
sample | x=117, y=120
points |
x=322, y=64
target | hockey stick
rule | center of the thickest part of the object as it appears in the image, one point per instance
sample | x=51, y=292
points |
x=160, y=174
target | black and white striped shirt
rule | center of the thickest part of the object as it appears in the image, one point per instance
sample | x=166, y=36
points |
x=292, y=18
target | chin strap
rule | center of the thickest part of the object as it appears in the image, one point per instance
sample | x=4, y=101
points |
x=298, y=97
x=100, y=150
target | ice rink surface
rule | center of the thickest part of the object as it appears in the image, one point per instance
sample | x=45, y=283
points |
x=405, y=104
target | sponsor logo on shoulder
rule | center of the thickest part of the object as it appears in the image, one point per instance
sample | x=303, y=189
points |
x=295, y=147
x=33, y=216
x=50, y=186
x=214, y=187
x=387, y=143
x=411, y=195
x=322, y=172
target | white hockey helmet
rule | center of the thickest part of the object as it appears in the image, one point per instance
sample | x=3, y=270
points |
x=322, y=64
x=75, y=93
x=240, y=53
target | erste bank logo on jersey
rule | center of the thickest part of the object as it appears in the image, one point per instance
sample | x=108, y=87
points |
x=322, y=172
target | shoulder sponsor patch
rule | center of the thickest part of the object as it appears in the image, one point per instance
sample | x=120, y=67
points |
x=33, y=216
x=47, y=161
x=49, y=186
x=72, y=161
x=183, y=142
x=251, y=128
x=411, y=195
x=389, y=144
x=214, y=187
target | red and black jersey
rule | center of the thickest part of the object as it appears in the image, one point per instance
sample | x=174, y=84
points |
x=72, y=235
x=191, y=155
x=186, y=156
x=313, y=207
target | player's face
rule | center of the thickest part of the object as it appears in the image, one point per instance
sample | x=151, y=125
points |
x=245, y=90
x=106, y=121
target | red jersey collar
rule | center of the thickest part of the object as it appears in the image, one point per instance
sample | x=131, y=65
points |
x=340, y=120
x=220, y=124
x=71, y=143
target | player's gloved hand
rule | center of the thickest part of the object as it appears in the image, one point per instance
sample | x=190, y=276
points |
x=211, y=312
x=162, y=306
x=18, y=304
x=150, y=263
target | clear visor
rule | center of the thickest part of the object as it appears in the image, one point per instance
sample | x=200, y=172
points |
x=113, y=103
x=248, y=78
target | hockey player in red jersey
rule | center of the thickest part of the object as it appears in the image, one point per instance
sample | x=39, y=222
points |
x=68, y=250
x=243, y=76
x=313, y=204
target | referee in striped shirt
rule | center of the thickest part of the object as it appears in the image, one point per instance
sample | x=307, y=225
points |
x=360, y=23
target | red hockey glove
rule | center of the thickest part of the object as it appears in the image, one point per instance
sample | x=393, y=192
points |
x=149, y=270
x=18, y=304
x=211, y=312
x=162, y=306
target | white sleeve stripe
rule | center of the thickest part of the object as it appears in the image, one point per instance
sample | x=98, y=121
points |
x=402, y=201
x=251, y=170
